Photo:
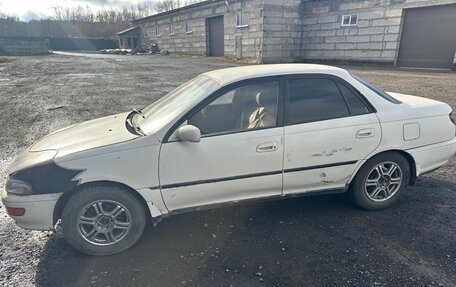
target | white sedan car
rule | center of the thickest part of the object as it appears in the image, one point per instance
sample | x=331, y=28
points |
x=228, y=136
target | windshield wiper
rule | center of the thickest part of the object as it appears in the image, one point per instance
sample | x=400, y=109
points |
x=139, y=112
x=136, y=128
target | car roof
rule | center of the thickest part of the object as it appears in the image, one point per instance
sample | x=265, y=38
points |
x=229, y=75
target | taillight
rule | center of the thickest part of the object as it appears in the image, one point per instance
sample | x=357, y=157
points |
x=13, y=211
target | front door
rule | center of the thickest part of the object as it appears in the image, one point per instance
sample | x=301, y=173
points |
x=240, y=155
x=329, y=129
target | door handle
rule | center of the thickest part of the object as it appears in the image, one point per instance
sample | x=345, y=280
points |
x=367, y=133
x=266, y=147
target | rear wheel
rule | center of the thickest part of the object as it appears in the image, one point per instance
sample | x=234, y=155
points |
x=381, y=181
x=103, y=220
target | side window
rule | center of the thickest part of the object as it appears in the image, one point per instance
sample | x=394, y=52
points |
x=227, y=98
x=244, y=108
x=355, y=104
x=313, y=100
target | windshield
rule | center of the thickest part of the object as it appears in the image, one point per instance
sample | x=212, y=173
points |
x=161, y=112
x=377, y=90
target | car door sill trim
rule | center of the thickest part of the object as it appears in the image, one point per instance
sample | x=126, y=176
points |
x=245, y=176
x=320, y=166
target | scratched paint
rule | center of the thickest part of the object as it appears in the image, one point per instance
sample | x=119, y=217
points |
x=332, y=152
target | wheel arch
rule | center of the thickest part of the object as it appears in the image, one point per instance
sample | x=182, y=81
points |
x=408, y=157
x=63, y=199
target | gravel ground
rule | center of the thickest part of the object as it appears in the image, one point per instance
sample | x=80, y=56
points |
x=310, y=241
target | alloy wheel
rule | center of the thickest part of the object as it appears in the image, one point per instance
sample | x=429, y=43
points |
x=383, y=181
x=104, y=222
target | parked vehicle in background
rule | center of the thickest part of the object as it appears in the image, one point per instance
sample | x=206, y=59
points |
x=228, y=136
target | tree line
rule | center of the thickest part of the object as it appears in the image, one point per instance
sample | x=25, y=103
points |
x=82, y=21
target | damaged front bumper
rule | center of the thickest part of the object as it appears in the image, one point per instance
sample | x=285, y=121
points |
x=38, y=210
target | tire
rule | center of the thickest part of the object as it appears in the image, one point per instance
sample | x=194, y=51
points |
x=103, y=220
x=374, y=188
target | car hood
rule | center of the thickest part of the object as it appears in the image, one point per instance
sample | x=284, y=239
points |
x=87, y=135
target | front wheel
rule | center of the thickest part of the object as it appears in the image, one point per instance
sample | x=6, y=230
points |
x=103, y=220
x=381, y=181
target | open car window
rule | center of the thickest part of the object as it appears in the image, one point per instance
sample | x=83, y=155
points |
x=244, y=108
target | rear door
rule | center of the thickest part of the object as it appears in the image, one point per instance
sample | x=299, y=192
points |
x=329, y=128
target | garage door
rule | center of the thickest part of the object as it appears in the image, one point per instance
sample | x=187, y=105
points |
x=428, y=37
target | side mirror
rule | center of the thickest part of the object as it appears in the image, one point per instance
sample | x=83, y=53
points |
x=189, y=133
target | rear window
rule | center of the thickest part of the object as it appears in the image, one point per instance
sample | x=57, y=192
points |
x=377, y=90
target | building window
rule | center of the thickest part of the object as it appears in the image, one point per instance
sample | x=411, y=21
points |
x=350, y=20
x=157, y=31
x=242, y=19
x=171, y=29
x=189, y=27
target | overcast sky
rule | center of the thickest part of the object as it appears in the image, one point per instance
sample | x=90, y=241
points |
x=34, y=9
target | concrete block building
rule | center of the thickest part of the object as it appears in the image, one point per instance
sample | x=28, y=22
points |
x=129, y=38
x=408, y=33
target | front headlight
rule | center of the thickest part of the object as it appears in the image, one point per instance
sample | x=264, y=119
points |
x=18, y=187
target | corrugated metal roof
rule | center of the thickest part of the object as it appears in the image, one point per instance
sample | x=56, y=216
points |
x=175, y=10
x=127, y=30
